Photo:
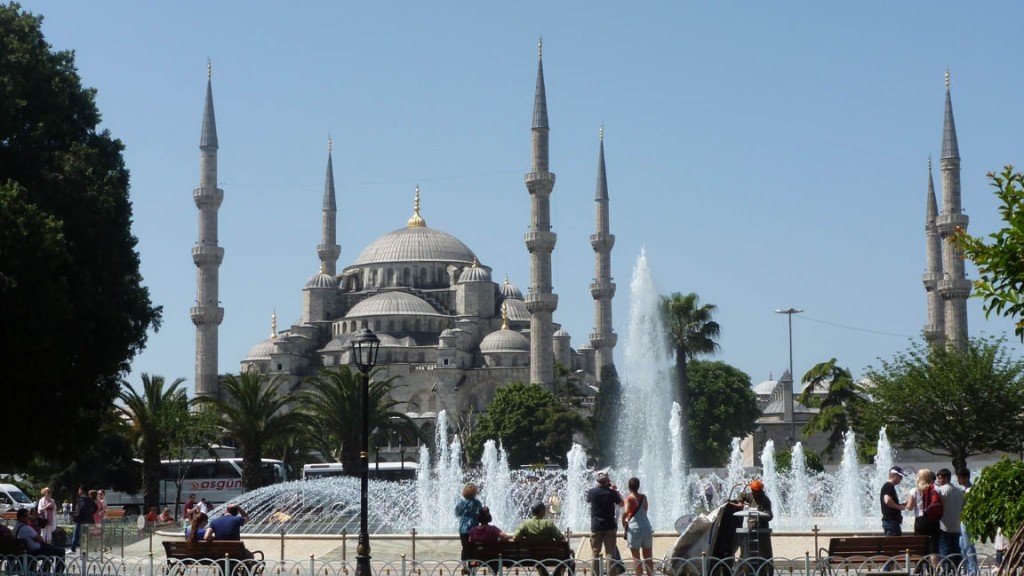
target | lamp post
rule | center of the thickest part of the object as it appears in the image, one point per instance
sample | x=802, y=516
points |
x=364, y=355
x=792, y=404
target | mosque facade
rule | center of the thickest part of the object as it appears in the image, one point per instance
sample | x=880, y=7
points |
x=448, y=329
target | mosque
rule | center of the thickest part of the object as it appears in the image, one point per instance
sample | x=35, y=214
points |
x=447, y=328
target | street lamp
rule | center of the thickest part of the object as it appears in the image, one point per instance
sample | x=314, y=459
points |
x=791, y=404
x=364, y=356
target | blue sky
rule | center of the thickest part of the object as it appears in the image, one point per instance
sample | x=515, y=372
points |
x=769, y=155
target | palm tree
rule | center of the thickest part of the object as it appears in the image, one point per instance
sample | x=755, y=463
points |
x=334, y=406
x=150, y=419
x=253, y=414
x=839, y=409
x=691, y=332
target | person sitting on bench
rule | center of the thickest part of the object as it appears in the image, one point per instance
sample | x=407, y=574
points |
x=537, y=527
x=229, y=526
x=34, y=543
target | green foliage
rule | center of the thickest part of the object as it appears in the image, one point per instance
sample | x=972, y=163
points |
x=784, y=461
x=75, y=310
x=1000, y=266
x=722, y=406
x=843, y=403
x=605, y=416
x=994, y=501
x=530, y=424
x=948, y=401
x=253, y=413
x=106, y=463
x=334, y=413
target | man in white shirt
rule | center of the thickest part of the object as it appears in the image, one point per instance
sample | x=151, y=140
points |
x=34, y=543
x=949, y=525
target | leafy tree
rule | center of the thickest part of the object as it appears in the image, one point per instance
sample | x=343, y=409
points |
x=949, y=402
x=722, y=406
x=252, y=414
x=843, y=402
x=75, y=309
x=191, y=437
x=784, y=461
x=150, y=419
x=108, y=463
x=993, y=504
x=606, y=407
x=334, y=406
x=530, y=423
x=1000, y=280
x=691, y=332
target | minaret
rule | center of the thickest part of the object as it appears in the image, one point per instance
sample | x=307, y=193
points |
x=328, y=250
x=207, y=314
x=934, y=330
x=540, y=240
x=603, y=289
x=954, y=286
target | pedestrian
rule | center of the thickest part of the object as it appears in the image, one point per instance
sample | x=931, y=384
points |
x=47, y=509
x=999, y=543
x=639, y=533
x=603, y=499
x=892, y=510
x=467, y=510
x=189, y=508
x=949, y=525
x=84, y=512
x=967, y=549
x=917, y=500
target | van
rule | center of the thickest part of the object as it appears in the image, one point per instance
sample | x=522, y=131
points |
x=12, y=498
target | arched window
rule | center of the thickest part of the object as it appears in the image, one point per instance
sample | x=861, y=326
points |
x=406, y=277
x=423, y=276
x=391, y=277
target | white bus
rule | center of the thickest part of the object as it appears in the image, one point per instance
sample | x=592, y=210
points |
x=378, y=470
x=216, y=479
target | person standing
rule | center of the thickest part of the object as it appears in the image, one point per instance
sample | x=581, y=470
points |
x=83, y=515
x=918, y=501
x=639, y=532
x=603, y=499
x=967, y=549
x=949, y=525
x=189, y=508
x=47, y=508
x=892, y=510
x=468, y=512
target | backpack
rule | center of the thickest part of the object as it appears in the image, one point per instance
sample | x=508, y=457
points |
x=931, y=504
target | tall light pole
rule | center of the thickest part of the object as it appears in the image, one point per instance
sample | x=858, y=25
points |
x=791, y=404
x=364, y=355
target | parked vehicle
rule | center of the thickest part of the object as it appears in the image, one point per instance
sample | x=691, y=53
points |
x=378, y=470
x=12, y=498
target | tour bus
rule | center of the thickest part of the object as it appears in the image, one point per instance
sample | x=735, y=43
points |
x=378, y=470
x=216, y=479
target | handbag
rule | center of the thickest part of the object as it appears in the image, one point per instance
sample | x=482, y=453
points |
x=625, y=530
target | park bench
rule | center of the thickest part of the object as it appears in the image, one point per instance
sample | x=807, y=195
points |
x=525, y=553
x=9, y=515
x=882, y=554
x=114, y=514
x=180, y=554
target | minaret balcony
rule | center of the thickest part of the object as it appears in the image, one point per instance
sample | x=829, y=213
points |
x=931, y=280
x=540, y=178
x=949, y=223
x=207, y=315
x=208, y=197
x=538, y=302
x=602, y=290
x=599, y=341
x=539, y=241
x=951, y=288
x=328, y=251
x=602, y=241
x=206, y=255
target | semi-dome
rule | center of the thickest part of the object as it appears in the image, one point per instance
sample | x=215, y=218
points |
x=516, y=310
x=510, y=292
x=561, y=334
x=415, y=244
x=322, y=280
x=505, y=341
x=261, y=351
x=474, y=273
x=390, y=304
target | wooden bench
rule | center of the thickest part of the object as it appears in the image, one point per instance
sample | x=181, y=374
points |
x=180, y=554
x=9, y=515
x=526, y=553
x=881, y=553
x=114, y=514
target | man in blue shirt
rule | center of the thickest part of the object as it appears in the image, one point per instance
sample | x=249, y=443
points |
x=228, y=526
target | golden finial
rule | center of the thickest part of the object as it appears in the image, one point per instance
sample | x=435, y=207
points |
x=600, y=132
x=416, y=221
x=506, y=281
x=540, y=47
x=273, y=324
x=476, y=263
x=947, y=76
x=209, y=69
x=504, y=316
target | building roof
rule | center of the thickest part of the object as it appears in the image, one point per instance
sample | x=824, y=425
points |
x=516, y=310
x=391, y=304
x=322, y=280
x=505, y=341
x=415, y=244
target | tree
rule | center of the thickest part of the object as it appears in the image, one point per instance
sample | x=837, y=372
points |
x=988, y=508
x=252, y=414
x=722, y=406
x=691, y=332
x=75, y=309
x=784, y=461
x=334, y=406
x=150, y=419
x=606, y=407
x=1000, y=282
x=530, y=423
x=949, y=402
x=190, y=438
x=842, y=405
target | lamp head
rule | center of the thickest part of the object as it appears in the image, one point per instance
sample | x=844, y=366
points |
x=364, y=350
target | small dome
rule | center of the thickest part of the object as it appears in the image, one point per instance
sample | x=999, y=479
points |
x=322, y=280
x=261, y=351
x=339, y=343
x=474, y=273
x=561, y=334
x=505, y=341
x=585, y=346
x=765, y=388
x=510, y=292
x=392, y=304
x=448, y=333
x=516, y=310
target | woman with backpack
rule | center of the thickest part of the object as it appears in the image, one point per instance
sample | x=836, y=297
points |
x=923, y=500
x=467, y=511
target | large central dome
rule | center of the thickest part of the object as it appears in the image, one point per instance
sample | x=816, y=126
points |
x=415, y=244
